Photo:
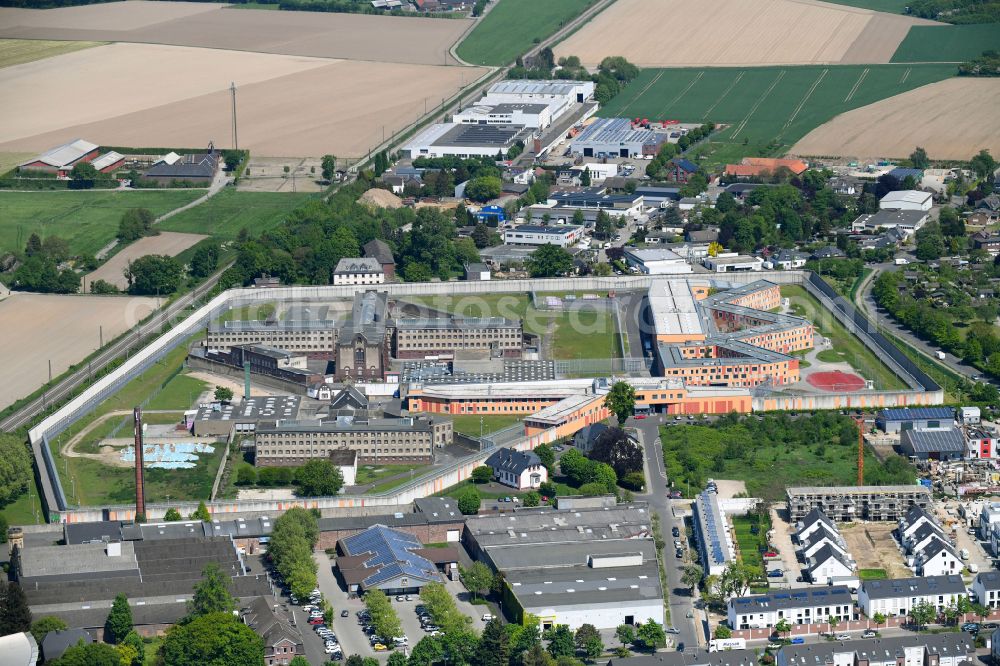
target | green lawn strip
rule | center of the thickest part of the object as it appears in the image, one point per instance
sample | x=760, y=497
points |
x=765, y=108
x=458, y=488
x=857, y=354
x=97, y=483
x=511, y=27
x=229, y=211
x=748, y=542
x=947, y=43
x=872, y=574
x=22, y=510
x=87, y=220
x=380, y=488
x=468, y=424
x=832, y=356
x=19, y=51
x=375, y=473
x=180, y=393
x=256, y=311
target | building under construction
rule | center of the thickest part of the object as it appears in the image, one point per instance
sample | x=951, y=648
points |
x=849, y=503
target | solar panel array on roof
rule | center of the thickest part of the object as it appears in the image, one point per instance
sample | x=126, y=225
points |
x=917, y=413
x=391, y=555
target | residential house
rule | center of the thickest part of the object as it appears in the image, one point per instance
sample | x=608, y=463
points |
x=800, y=606
x=986, y=587
x=847, y=186
x=358, y=271
x=813, y=521
x=828, y=564
x=786, y=260
x=829, y=252
x=706, y=235
x=895, y=597
x=585, y=438
x=938, y=559
x=823, y=538
x=680, y=170
x=985, y=240
x=380, y=252
x=946, y=649
x=282, y=642
x=517, y=469
x=56, y=643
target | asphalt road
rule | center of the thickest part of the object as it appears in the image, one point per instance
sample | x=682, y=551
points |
x=691, y=631
x=864, y=301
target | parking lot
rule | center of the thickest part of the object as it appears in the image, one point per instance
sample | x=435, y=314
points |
x=349, y=633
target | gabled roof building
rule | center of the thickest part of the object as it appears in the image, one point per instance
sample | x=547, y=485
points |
x=390, y=560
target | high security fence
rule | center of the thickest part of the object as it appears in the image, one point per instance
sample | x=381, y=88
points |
x=436, y=480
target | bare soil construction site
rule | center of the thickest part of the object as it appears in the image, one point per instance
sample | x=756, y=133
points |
x=37, y=328
x=954, y=119
x=738, y=32
x=169, y=243
x=288, y=105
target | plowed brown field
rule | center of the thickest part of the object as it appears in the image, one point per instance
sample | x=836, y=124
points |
x=672, y=33
x=952, y=119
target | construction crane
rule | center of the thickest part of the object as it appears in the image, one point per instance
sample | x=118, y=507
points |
x=860, y=421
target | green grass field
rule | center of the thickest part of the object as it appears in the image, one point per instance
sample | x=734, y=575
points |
x=468, y=424
x=512, y=27
x=845, y=346
x=872, y=574
x=18, y=51
x=748, y=542
x=180, y=393
x=947, y=43
x=766, y=108
x=87, y=220
x=586, y=333
x=230, y=210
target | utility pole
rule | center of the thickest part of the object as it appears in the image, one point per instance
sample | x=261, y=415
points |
x=236, y=141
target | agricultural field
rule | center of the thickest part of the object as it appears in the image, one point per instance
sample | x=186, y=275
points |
x=87, y=220
x=948, y=43
x=887, y=6
x=773, y=106
x=737, y=33
x=63, y=329
x=279, y=98
x=511, y=27
x=954, y=119
x=400, y=39
x=229, y=211
x=19, y=51
x=169, y=243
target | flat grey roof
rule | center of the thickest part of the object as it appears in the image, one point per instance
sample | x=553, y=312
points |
x=516, y=555
x=581, y=585
x=84, y=558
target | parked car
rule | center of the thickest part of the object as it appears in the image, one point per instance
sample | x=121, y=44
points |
x=775, y=573
x=798, y=640
x=487, y=617
x=971, y=627
x=770, y=553
x=679, y=553
x=316, y=620
x=842, y=637
x=344, y=613
x=675, y=531
x=378, y=647
x=869, y=633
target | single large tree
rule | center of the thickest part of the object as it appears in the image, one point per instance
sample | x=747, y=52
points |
x=616, y=448
x=588, y=640
x=153, y=274
x=494, y=645
x=42, y=626
x=620, y=400
x=692, y=575
x=477, y=578
x=119, y=621
x=329, y=166
x=319, y=478
x=15, y=616
x=211, y=594
x=549, y=261
x=919, y=159
x=216, y=639
x=560, y=641
x=469, y=501
x=651, y=634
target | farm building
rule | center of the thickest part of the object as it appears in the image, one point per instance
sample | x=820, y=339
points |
x=461, y=140
x=915, y=418
x=61, y=159
x=907, y=200
x=109, y=162
x=616, y=137
x=196, y=168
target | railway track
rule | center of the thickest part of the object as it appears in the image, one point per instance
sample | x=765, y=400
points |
x=110, y=352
